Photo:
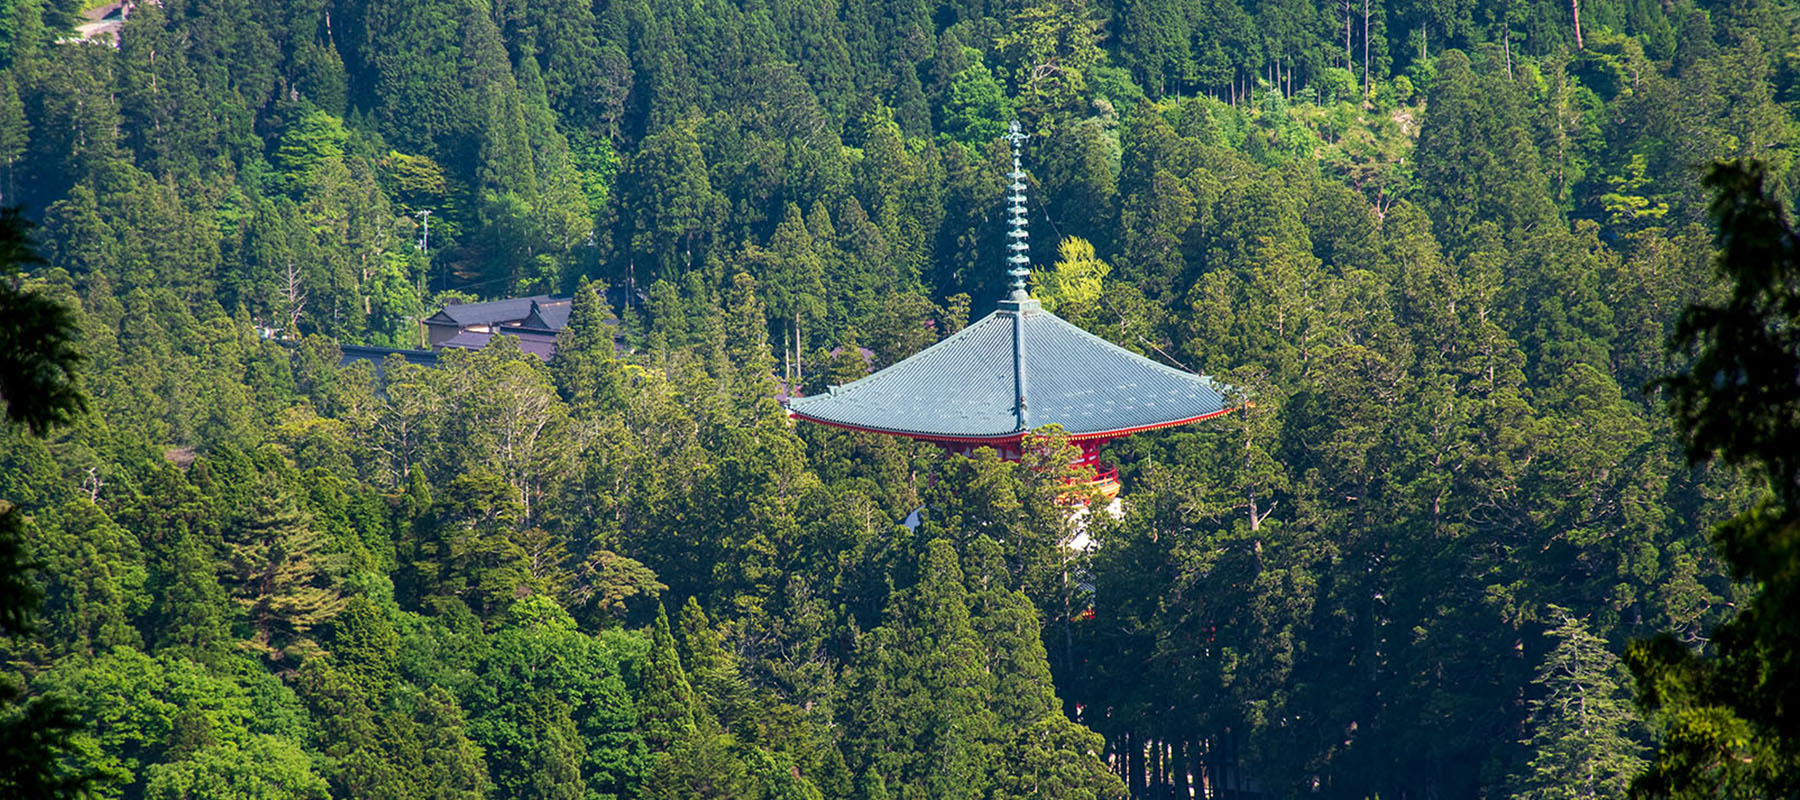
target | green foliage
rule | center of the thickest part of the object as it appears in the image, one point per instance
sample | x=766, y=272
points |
x=1581, y=732
x=282, y=574
x=976, y=110
x=38, y=356
x=98, y=580
x=1724, y=719
x=551, y=712
x=1050, y=47
x=1476, y=154
x=37, y=383
x=920, y=699
x=1073, y=287
x=1432, y=249
x=668, y=708
x=265, y=767
x=312, y=143
x=34, y=734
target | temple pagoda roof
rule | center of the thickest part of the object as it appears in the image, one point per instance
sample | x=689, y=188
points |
x=1017, y=369
x=969, y=386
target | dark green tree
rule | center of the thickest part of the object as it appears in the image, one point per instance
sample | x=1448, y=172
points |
x=38, y=362
x=1477, y=156
x=1725, y=720
x=38, y=356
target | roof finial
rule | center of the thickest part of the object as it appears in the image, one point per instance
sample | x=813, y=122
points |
x=1018, y=259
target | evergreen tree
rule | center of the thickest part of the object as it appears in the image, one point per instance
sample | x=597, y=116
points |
x=553, y=768
x=666, y=704
x=1051, y=48
x=364, y=645
x=1154, y=220
x=38, y=357
x=584, y=368
x=1476, y=154
x=1581, y=733
x=192, y=611
x=871, y=787
x=454, y=769
x=1724, y=721
x=701, y=765
x=15, y=130
x=281, y=574
x=717, y=681
x=309, y=144
x=679, y=208
x=747, y=343
x=919, y=697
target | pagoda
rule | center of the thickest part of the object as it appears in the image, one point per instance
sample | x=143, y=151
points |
x=1017, y=369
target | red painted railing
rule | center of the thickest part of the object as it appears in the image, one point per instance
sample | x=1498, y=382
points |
x=1105, y=480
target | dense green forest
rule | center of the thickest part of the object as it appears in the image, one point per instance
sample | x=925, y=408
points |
x=1439, y=245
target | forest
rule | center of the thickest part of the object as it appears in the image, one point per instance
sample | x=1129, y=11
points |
x=1442, y=250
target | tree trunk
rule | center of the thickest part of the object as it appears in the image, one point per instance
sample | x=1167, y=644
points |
x=1576, y=6
x=1134, y=766
x=1216, y=768
x=1158, y=776
x=1367, y=86
x=1178, y=777
x=1196, y=759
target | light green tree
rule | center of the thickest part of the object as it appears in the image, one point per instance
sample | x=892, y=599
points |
x=1582, y=732
x=1072, y=288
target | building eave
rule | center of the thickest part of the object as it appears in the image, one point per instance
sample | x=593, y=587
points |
x=1010, y=436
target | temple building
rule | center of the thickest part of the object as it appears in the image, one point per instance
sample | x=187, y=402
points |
x=1017, y=369
x=534, y=321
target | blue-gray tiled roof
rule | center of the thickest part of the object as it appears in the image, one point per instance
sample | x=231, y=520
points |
x=967, y=386
x=548, y=315
x=490, y=312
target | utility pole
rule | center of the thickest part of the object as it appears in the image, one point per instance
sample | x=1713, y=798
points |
x=425, y=247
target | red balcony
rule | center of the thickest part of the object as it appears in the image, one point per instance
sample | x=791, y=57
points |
x=1105, y=482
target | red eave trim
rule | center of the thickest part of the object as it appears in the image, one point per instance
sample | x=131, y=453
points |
x=1009, y=437
x=1123, y=432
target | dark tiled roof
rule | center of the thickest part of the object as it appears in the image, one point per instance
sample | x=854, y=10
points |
x=542, y=345
x=467, y=340
x=550, y=315
x=377, y=355
x=967, y=386
x=491, y=312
